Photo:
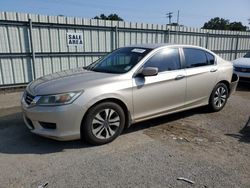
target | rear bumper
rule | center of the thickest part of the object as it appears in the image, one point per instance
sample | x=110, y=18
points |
x=234, y=83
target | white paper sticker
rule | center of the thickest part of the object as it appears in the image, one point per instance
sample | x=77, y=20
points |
x=138, y=50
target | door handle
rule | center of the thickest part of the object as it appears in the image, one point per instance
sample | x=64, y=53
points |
x=179, y=77
x=213, y=70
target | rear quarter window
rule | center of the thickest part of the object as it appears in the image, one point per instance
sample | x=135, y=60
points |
x=210, y=58
x=197, y=58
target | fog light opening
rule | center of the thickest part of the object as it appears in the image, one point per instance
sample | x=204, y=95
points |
x=47, y=125
x=30, y=124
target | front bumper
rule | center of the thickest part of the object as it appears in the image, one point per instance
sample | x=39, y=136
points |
x=67, y=119
x=243, y=74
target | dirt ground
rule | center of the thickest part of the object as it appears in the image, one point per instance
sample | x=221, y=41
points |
x=210, y=149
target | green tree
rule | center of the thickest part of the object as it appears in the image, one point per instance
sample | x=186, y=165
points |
x=237, y=26
x=217, y=23
x=223, y=24
x=109, y=17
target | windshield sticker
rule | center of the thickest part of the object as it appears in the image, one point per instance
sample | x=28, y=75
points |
x=138, y=50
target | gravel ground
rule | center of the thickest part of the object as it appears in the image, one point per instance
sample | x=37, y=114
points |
x=211, y=149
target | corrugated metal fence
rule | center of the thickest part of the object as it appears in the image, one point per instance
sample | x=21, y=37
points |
x=35, y=45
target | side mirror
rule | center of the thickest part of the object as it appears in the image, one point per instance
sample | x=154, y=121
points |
x=149, y=71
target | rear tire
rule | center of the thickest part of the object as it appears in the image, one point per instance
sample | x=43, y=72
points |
x=103, y=123
x=218, y=97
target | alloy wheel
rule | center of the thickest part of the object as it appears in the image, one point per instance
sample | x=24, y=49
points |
x=105, y=123
x=220, y=97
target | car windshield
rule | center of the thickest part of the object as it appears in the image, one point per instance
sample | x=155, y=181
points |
x=120, y=61
x=247, y=55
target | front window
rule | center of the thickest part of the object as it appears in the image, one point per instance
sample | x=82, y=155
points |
x=165, y=60
x=120, y=61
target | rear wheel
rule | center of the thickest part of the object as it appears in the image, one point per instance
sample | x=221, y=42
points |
x=103, y=123
x=218, y=98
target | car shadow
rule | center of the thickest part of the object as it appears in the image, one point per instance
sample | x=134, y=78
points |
x=17, y=139
x=244, y=133
x=166, y=119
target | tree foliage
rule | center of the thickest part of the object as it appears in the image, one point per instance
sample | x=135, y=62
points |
x=109, y=17
x=224, y=24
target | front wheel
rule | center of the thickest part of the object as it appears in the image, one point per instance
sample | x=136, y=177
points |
x=218, y=97
x=103, y=123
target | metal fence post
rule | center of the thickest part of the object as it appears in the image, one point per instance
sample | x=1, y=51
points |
x=165, y=36
x=207, y=37
x=116, y=37
x=177, y=34
x=236, y=46
x=200, y=41
x=169, y=37
x=33, y=55
x=232, y=46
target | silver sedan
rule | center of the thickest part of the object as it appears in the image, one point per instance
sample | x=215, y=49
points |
x=242, y=67
x=129, y=85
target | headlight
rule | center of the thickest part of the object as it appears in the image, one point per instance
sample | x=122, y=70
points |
x=57, y=99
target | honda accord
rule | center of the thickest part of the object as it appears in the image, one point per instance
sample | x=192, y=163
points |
x=129, y=85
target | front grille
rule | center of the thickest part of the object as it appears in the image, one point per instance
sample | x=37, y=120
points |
x=241, y=69
x=29, y=98
x=242, y=79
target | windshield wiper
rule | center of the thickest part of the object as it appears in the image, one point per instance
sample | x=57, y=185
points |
x=88, y=67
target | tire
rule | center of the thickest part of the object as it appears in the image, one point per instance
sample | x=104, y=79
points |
x=218, y=97
x=103, y=123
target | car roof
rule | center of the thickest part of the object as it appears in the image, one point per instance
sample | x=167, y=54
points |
x=158, y=45
x=150, y=46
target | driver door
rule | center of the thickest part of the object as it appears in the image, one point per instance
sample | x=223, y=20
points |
x=163, y=93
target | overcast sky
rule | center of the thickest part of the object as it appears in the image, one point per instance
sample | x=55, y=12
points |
x=193, y=13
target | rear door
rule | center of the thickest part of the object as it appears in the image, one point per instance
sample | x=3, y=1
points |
x=154, y=95
x=201, y=72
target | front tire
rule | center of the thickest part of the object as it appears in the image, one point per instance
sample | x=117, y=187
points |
x=103, y=123
x=218, y=98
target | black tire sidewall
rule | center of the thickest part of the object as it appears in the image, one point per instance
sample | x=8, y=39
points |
x=211, y=99
x=86, y=128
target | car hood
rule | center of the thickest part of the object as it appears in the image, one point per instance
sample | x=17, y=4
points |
x=69, y=80
x=242, y=62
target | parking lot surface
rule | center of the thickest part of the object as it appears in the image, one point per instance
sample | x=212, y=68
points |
x=210, y=149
